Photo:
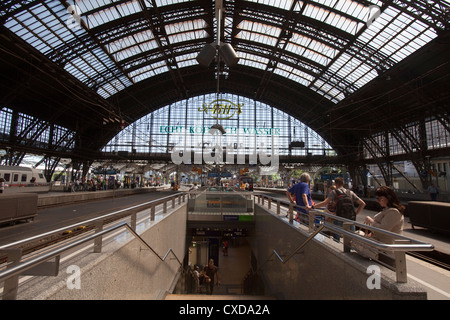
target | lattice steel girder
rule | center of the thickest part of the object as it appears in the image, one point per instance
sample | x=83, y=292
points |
x=384, y=165
x=433, y=12
x=9, y=8
x=31, y=129
x=135, y=23
x=308, y=66
x=381, y=149
x=407, y=139
x=323, y=33
x=43, y=67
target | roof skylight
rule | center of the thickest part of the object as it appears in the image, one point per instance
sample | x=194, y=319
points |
x=109, y=45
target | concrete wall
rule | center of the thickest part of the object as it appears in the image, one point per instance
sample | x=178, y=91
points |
x=321, y=270
x=124, y=270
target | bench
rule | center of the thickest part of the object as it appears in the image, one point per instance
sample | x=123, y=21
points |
x=430, y=214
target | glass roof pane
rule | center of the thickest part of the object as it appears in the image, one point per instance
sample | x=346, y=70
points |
x=187, y=60
x=283, y=4
x=394, y=35
x=251, y=60
x=161, y=3
x=293, y=74
x=308, y=47
x=258, y=29
x=334, y=19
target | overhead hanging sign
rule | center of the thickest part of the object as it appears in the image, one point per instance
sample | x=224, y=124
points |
x=221, y=109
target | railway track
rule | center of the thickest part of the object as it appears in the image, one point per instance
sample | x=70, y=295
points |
x=434, y=257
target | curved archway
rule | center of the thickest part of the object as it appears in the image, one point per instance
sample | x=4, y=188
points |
x=243, y=118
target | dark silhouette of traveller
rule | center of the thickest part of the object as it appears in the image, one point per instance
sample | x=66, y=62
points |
x=212, y=272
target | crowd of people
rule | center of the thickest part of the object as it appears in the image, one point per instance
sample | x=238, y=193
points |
x=341, y=202
x=207, y=277
x=100, y=183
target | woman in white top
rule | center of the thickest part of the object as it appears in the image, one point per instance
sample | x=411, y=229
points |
x=390, y=218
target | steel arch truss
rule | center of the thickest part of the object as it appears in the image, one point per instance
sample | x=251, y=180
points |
x=122, y=47
x=413, y=142
x=158, y=22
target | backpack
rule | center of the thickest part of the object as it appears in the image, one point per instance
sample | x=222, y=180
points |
x=344, y=205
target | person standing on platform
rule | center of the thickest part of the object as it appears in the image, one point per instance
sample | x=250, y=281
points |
x=345, y=210
x=433, y=191
x=302, y=195
x=2, y=185
x=212, y=272
x=225, y=248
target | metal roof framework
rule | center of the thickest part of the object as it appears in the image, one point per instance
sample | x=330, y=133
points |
x=93, y=66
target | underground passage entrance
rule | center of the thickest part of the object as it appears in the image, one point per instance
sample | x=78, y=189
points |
x=232, y=255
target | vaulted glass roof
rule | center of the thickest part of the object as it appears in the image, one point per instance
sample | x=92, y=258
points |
x=333, y=47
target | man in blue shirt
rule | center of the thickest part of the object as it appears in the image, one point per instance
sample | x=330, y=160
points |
x=302, y=194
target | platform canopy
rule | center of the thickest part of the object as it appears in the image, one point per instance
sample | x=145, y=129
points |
x=348, y=69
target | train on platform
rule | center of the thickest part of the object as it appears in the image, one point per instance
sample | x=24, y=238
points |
x=23, y=179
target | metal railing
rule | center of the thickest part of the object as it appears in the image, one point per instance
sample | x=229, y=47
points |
x=304, y=243
x=396, y=250
x=100, y=221
x=33, y=266
x=246, y=288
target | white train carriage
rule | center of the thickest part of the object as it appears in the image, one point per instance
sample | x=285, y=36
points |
x=23, y=179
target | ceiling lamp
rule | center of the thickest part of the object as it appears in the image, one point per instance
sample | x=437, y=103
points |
x=218, y=49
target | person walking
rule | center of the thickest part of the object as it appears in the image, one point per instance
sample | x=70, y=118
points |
x=212, y=272
x=300, y=193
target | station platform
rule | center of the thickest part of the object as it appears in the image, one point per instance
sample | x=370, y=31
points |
x=232, y=268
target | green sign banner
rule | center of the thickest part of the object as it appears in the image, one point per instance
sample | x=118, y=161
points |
x=229, y=130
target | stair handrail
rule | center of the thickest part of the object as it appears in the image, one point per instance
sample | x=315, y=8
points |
x=16, y=270
x=315, y=233
x=97, y=219
x=398, y=248
x=304, y=243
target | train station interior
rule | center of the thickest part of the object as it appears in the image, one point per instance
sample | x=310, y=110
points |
x=167, y=133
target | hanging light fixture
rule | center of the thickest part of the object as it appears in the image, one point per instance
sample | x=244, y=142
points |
x=212, y=50
x=206, y=56
x=217, y=50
